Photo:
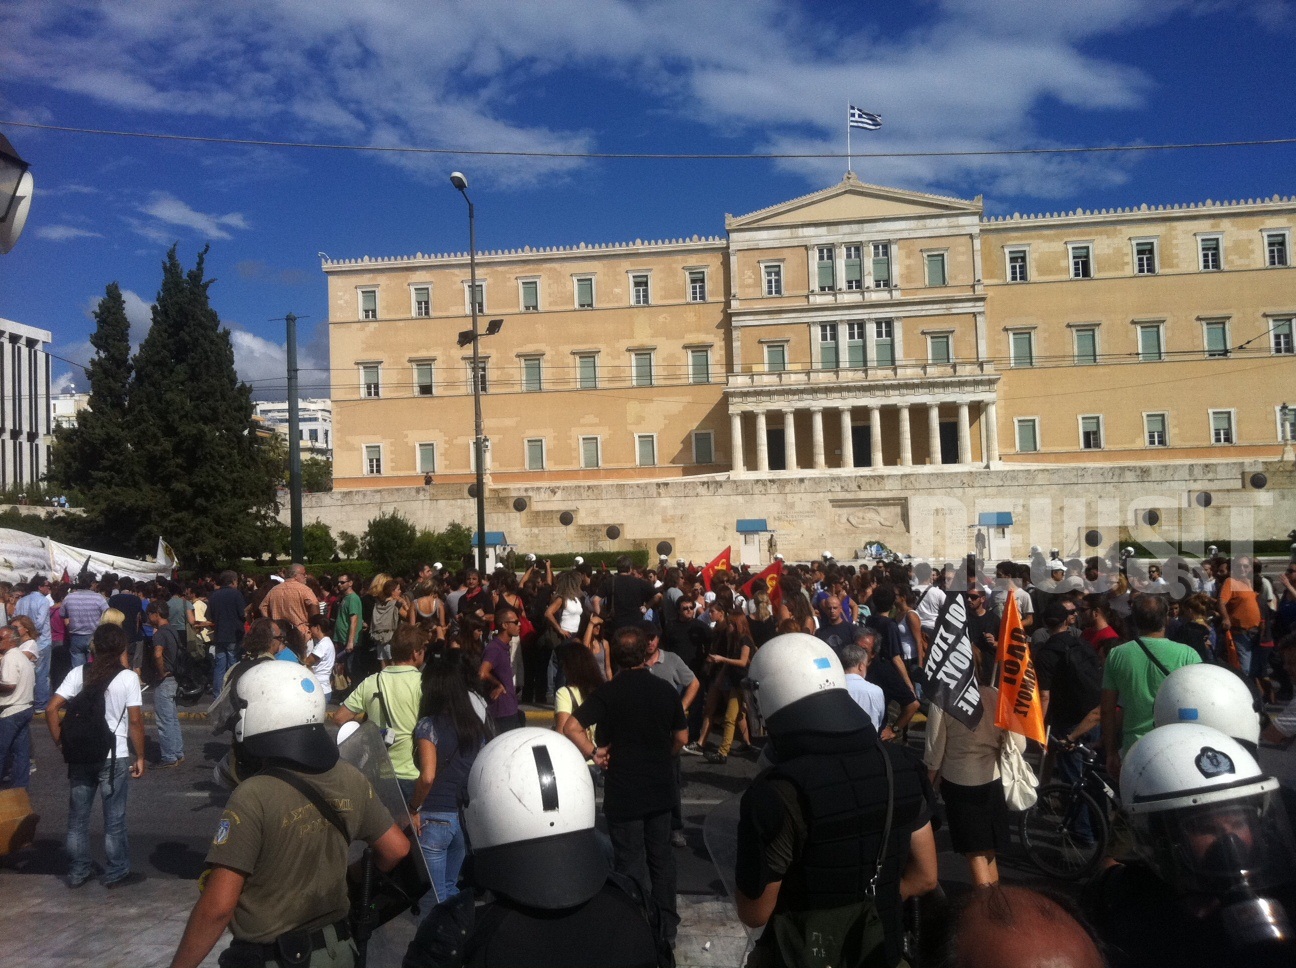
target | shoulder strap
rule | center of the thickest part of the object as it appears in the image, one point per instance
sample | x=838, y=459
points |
x=886, y=828
x=326, y=809
x=1148, y=652
x=922, y=597
x=382, y=703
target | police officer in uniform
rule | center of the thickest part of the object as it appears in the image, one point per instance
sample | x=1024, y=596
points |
x=1215, y=880
x=529, y=819
x=810, y=829
x=276, y=869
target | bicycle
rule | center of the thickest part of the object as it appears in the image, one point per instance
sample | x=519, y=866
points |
x=1049, y=829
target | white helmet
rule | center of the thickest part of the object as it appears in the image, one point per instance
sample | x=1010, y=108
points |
x=797, y=684
x=529, y=816
x=279, y=714
x=1204, y=814
x=1212, y=696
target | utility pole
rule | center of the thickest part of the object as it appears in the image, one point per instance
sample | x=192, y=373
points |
x=297, y=542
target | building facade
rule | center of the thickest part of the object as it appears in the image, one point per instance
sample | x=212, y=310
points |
x=25, y=413
x=314, y=423
x=859, y=331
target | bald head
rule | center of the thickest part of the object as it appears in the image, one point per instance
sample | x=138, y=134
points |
x=1014, y=927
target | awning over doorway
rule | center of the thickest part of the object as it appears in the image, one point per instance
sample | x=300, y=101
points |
x=752, y=525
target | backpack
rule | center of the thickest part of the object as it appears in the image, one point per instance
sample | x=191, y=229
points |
x=87, y=739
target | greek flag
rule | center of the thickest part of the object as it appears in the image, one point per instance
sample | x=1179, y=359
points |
x=856, y=118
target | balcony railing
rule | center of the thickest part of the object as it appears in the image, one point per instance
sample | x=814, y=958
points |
x=761, y=377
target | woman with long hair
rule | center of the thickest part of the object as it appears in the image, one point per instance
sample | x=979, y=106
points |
x=599, y=646
x=123, y=713
x=730, y=655
x=581, y=677
x=389, y=609
x=450, y=733
x=470, y=638
x=428, y=612
x=294, y=643
x=795, y=606
x=760, y=614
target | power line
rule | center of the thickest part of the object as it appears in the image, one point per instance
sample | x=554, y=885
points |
x=651, y=156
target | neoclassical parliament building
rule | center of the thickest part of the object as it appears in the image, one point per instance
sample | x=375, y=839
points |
x=822, y=366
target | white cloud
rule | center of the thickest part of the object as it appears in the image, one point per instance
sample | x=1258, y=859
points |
x=63, y=233
x=263, y=365
x=170, y=210
x=446, y=73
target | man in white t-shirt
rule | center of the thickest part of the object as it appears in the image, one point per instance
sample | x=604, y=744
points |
x=928, y=597
x=322, y=656
x=869, y=697
x=124, y=714
x=17, y=686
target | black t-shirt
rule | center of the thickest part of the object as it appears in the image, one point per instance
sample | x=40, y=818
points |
x=628, y=595
x=166, y=639
x=131, y=607
x=883, y=674
x=225, y=610
x=888, y=633
x=689, y=640
x=1069, y=670
x=637, y=716
x=843, y=633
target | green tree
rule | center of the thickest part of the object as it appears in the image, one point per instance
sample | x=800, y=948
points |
x=318, y=541
x=388, y=542
x=317, y=475
x=348, y=544
x=208, y=484
x=95, y=459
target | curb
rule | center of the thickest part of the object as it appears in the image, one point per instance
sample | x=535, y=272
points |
x=543, y=718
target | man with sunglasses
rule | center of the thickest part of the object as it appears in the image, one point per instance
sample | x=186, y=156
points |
x=497, y=671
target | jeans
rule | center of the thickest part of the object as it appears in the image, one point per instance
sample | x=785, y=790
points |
x=43, y=691
x=15, y=748
x=1245, y=645
x=226, y=656
x=1070, y=766
x=443, y=845
x=79, y=646
x=109, y=781
x=168, y=720
x=641, y=849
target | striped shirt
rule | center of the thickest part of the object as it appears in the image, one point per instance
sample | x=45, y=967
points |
x=82, y=610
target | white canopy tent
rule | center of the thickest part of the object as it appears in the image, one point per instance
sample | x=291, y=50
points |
x=23, y=555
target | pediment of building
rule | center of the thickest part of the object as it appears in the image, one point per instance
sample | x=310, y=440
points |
x=852, y=200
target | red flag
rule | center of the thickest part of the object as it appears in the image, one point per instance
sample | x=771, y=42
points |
x=719, y=563
x=769, y=577
x=1020, y=709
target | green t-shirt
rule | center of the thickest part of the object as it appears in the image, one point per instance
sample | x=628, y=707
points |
x=402, y=691
x=294, y=860
x=350, y=605
x=1136, y=679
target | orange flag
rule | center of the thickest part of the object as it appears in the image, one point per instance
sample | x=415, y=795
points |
x=719, y=563
x=1020, y=709
x=769, y=577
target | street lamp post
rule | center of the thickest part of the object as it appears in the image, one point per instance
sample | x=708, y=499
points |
x=458, y=180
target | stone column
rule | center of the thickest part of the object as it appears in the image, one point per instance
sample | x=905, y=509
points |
x=762, y=444
x=736, y=442
x=848, y=442
x=990, y=415
x=875, y=434
x=816, y=437
x=933, y=433
x=965, y=434
x=906, y=440
x=789, y=440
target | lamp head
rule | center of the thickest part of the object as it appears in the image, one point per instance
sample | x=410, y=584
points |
x=458, y=180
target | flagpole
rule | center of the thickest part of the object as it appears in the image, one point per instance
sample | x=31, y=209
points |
x=848, y=143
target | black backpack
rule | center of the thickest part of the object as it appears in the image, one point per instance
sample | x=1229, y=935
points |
x=87, y=739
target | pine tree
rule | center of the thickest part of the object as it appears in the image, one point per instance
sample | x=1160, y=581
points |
x=94, y=459
x=208, y=486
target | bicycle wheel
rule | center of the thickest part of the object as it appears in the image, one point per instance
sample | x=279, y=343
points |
x=1048, y=832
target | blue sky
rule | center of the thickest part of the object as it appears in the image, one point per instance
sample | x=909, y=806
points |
x=743, y=77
